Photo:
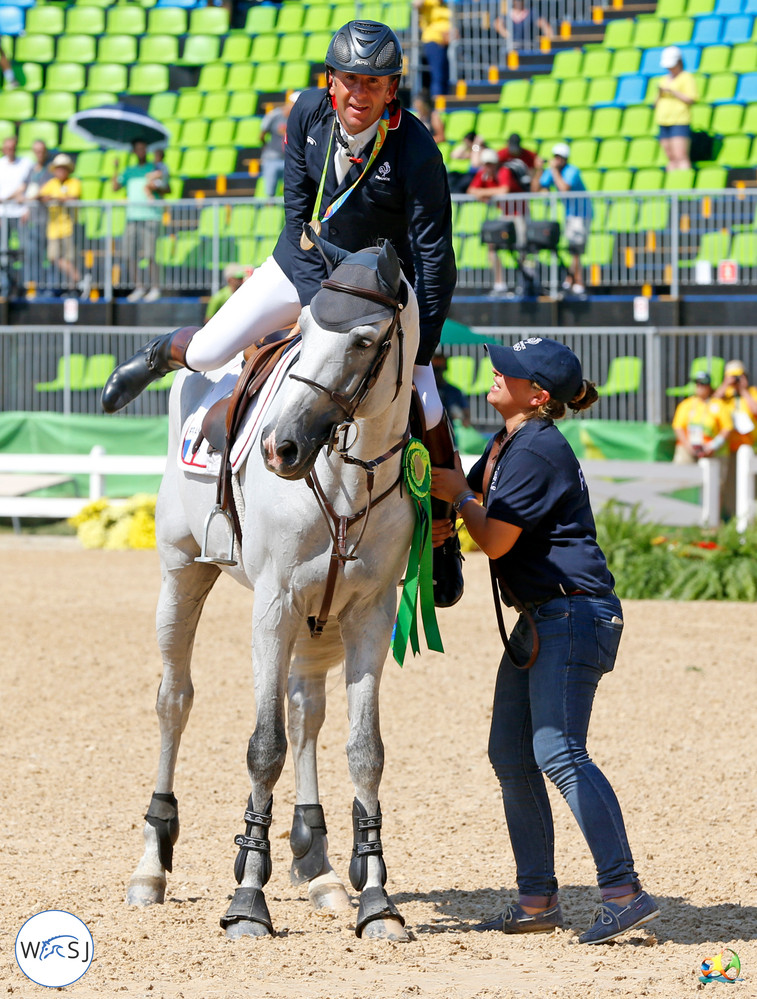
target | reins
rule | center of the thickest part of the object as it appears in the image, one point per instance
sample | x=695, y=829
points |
x=499, y=585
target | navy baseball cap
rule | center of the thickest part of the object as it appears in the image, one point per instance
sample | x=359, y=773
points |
x=548, y=363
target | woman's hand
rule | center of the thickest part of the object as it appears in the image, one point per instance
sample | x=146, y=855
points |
x=440, y=531
x=447, y=483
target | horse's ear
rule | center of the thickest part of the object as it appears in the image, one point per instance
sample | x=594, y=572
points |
x=389, y=268
x=332, y=255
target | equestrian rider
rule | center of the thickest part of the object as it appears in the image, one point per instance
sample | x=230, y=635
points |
x=358, y=168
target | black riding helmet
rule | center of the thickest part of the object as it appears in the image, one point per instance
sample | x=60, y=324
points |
x=368, y=48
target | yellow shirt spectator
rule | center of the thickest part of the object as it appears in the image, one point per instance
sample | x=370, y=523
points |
x=702, y=420
x=741, y=418
x=671, y=110
x=435, y=19
x=60, y=221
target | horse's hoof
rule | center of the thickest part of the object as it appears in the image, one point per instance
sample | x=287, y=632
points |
x=146, y=889
x=328, y=896
x=245, y=928
x=385, y=929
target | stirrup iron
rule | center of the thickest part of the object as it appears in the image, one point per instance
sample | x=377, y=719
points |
x=217, y=511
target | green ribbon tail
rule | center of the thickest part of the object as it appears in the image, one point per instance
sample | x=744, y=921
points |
x=428, y=608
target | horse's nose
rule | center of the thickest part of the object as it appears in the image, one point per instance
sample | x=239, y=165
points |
x=287, y=452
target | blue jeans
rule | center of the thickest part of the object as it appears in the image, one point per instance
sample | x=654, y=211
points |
x=539, y=725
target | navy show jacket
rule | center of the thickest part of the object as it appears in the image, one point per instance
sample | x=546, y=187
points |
x=404, y=197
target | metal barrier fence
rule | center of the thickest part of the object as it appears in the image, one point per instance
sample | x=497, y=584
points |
x=63, y=368
x=669, y=240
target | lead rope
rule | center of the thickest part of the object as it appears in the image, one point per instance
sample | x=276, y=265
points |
x=500, y=445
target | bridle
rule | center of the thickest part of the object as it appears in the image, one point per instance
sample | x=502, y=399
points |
x=337, y=524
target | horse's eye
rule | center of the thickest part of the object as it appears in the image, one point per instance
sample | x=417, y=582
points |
x=363, y=343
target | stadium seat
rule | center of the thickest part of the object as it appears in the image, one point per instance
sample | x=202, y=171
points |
x=117, y=49
x=89, y=164
x=654, y=215
x=162, y=106
x=636, y=121
x=82, y=20
x=746, y=90
x=125, y=20
x=221, y=132
x=648, y=179
x=194, y=132
x=678, y=31
x=583, y=152
x=316, y=44
x=744, y=249
x=623, y=376
x=611, y=154
x=292, y=48
x=200, y=49
x=631, y=90
x=194, y=162
x=737, y=29
x=708, y=31
x=735, y=151
x=600, y=92
x=460, y=372
x=30, y=131
x=625, y=62
x=163, y=49
x=489, y=125
x=711, y=178
x=597, y=63
x=715, y=59
x=572, y=93
x=567, y=63
x=264, y=48
x=222, y=160
x=645, y=149
x=577, y=121
x=166, y=21
x=242, y=103
x=547, y=122
x=295, y=75
x=749, y=124
x=148, y=78
x=213, y=76
x=725, y=8
x=46, y=20
x=514, y=94
x=648, y=31
x=11, y=21
x=236, y=48
x=618, y=34
x=111, y=77
x=34, y=48
x=260, y=19
x=239, y=77
x=679, y=180
x=714, y=366
x=96, y=371
x=70, y=373
x=208, y=21
x=317, y=17
x=543, y=93
x=720, y=88
x=727, y=119
x=76, y=48
x=188, y=104
x=743, y=58
x=622, y=215
x=69, y=76
x=247, y=133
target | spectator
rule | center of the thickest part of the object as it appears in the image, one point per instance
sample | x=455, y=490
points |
x=435, y=20
x=455, y=401
x=565, y=177
x=490, y=183
x=740, y=400
x=143, y=218
x=14, y=176
x=425, y=112
x=521, y=27
x=34, y=221
x=676, y=92
x=57, y=194
x=234, y=275
x=702, y=424
x=13, y=75
x=514, y=152
x=273, y=130
x=160, y=176
x=469, y=148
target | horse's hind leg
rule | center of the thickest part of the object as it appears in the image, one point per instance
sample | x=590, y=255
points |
x=307, y=710
x=182, y=596
x=366, y=646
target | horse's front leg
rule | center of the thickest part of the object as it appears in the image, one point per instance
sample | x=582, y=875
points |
x=307, y=711
x=182, y=596
x=275, y=628
x=366, y=637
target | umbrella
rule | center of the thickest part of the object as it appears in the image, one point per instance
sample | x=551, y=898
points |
x=118, y=125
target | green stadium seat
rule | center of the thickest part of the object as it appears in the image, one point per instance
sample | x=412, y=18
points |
x=148, y=78
x=577, y=122
x=242, y=103
x=264, y=48
x=572, y=93
x=194, y=132
x=200, y=49
x=637, y=121
x=646, y=149
x=605, y=122
x=514, y=94
x=617, y=180
x=701, y=116
x=489, y=125
x=720, y=88
x=715, y=59
x=679, y=180
x=711, y=178
x=30, y=131
x=240, y=77
x=295, y=75
x=76, y=48
x=53, y=105
x=97, y=369
x=84, y=19
x=194, y=162
x=69, y=76
x=317, y=17
x=33, y=48
x=291, y=48
x=92, y=189
x=648, y=31
x=599, y=249
x=89, y=164
x=619, y=34
x=625, y=61
x=117, y=49
x=208, y=21
x=460, y=372
x=583, y=153
x=247, y=133
x=715, y=246
x=236, y=47
x=601, y=90
x=727, y=119
x=674, y=8
x=649, y=179
x=189, y=104
x=622, y=215
x=222, y=160
x=744, y=249
x=714, y=366
x=543, y=93
x=213, y=76
x=316, y=44
x=70, y=373
x=267, y=77
x=343, y=12
x=290, y=17
x=162, y=49
x=743, y=57
x=597, y=63
x=567, y=63
x=520, y=122
x=167, y=21
x=71, y=143
x=459, y=123
x=678, y=31
x=260, y=19
x=268, y=220
x=471, y=215
x=46, y=20
x=107, y=77
x=215, y=104
x=654, y=215
x=162, y=106
x=612, y=153
x=221, y=132
x=241, y=220
x=623, y=377
x=749, y=124
x=547, y=122
x=734, y=152
x=125, y=20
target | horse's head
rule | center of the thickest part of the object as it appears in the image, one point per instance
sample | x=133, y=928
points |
x=359, y=338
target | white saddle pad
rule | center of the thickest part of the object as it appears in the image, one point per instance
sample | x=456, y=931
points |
x=202, y=460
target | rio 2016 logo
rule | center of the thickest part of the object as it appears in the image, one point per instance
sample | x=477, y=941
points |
x=54, y=948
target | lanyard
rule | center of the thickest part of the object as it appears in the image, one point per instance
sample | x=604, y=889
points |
x=334, y=207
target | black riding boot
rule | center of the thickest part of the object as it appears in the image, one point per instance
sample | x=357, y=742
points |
x=448, y=570
x=158, y=357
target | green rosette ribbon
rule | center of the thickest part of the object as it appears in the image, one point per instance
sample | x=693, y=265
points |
x=419, y=581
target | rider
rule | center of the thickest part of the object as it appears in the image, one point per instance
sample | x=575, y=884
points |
x=358, y=167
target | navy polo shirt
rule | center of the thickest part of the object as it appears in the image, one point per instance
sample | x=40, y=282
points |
x=538, y=486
